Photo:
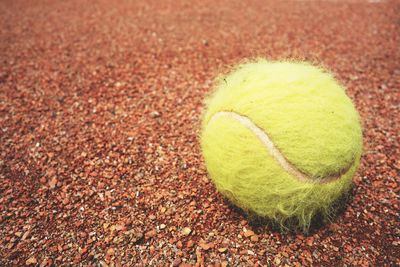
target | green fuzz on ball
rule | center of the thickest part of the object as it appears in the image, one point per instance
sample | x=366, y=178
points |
x=281, y=140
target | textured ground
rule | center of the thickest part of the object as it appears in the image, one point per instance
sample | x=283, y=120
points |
x=100, y=105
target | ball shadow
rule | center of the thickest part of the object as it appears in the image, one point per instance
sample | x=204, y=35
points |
x=290, y=226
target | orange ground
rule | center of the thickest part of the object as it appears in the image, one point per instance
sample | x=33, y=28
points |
x=100, y=105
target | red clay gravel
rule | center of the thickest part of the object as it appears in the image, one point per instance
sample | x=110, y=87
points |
x=100, y=105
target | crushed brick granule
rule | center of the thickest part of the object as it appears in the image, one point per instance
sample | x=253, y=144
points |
x=100, y=105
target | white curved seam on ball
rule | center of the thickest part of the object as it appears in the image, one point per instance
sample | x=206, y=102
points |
x=273, y=150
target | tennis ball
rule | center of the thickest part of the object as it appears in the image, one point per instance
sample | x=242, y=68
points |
x=281, y=140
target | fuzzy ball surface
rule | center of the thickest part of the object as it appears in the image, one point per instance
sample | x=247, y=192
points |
x=281, y=140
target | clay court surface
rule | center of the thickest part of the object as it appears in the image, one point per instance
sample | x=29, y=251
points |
x=100, y=109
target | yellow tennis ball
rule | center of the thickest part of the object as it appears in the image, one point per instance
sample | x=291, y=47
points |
x=281, y=140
